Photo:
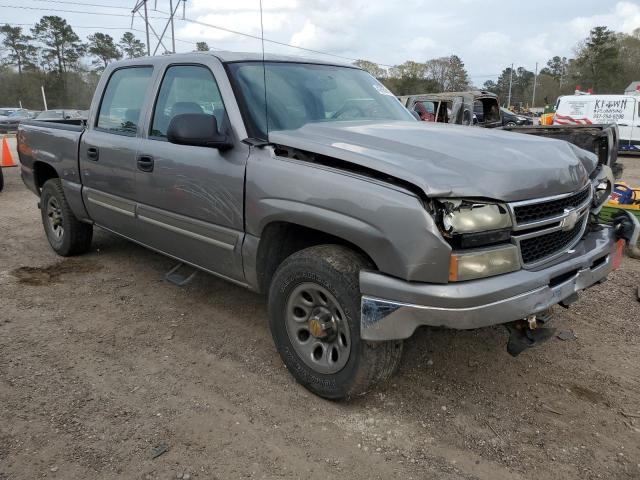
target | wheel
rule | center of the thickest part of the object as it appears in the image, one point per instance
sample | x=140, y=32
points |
x=66, y=234
x=511, y=124
x=314, y=315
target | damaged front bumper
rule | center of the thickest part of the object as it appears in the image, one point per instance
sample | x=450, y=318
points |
x=391, y=309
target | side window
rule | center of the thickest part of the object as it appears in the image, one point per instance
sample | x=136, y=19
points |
x=122, y=100
x=186, y=89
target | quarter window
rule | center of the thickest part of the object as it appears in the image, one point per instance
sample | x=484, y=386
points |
x=122, y=100
x=186, y=89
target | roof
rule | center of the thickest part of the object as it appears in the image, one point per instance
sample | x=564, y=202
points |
x=228, y=57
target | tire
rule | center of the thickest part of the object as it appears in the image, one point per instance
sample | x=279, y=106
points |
x=511, y=124
x=341, y=364
x=66, y=234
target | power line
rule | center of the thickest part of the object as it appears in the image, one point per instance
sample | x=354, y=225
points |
x=126, y=29
x=102, y=5
x=204, y=24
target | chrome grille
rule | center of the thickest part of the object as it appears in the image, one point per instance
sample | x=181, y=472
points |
x=544, y=229
x=531, y=212
x=538, y=248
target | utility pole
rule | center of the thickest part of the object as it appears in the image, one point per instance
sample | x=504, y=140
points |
x=173, y=38
x=44, y=97
x=535, y=80
x=510, y=83
x=142, y=5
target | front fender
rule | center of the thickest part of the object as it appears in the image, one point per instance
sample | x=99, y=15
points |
x=387, y=222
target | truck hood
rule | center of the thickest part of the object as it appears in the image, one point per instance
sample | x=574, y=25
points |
x=451, y=160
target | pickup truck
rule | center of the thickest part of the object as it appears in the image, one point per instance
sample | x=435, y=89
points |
x=311, y=183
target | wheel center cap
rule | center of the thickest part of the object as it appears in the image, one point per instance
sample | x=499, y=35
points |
x=321, y=323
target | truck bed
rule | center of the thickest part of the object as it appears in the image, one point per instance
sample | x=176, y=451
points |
x=54, y=143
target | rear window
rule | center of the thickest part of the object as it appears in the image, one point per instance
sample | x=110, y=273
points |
x=122, y=101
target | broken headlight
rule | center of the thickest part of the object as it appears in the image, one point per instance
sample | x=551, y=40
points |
x=467, y=223
x=602, y=182
x=479, y=233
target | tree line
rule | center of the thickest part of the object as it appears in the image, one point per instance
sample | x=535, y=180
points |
x=51, y=55
x=604, y=62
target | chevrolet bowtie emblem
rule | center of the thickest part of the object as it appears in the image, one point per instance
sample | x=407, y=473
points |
x=570, y=219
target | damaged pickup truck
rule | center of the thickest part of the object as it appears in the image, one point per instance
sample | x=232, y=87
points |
x=358, y=222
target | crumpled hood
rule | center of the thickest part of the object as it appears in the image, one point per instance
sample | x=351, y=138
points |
x=451, y=160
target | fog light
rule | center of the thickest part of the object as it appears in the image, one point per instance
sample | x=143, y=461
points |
x=483, y=263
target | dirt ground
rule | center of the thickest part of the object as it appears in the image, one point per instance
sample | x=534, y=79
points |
x=102, y=361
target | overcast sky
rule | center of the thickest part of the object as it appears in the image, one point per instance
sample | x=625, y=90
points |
x=486, y=34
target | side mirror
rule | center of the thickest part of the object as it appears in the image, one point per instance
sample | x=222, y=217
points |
x=198, y=130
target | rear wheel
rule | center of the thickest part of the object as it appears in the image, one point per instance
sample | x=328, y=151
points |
x=66, y=234
x=314, y=310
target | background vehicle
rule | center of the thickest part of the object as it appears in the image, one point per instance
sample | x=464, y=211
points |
x=11, y=121
x=456, y=107
x=510, y=119
x=60, y=114
x=623, y=110
x=8, y=110
x=320, y=189
x=599, y=139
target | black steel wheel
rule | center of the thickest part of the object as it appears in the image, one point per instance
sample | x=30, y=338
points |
x=314, y=314
x=66, y=234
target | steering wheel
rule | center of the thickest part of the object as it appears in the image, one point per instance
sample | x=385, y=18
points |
x=346, y=108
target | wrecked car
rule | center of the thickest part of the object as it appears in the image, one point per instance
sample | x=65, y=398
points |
x=475, y=107
x=309, y=182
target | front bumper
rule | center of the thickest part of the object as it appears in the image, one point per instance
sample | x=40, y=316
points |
x=393, y=308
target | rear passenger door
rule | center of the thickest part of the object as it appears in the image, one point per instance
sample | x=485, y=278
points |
x=191, y=199
x=108, y=150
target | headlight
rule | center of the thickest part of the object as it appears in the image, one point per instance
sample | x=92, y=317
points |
x=466, y=216
x=484, y=263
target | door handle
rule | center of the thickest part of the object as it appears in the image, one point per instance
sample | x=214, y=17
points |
x=92, y=154
x=145, y=163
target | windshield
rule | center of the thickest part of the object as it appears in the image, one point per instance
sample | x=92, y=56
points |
x=301, y=93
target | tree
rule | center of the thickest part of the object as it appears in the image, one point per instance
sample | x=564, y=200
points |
x=131, y=46
x=456, y=78
x=409, y=78
x=63, y=48
x=373, y=68
x=598, y=60
x=22, y=53
x=202, y=47
x=102, y=46
x=556, y=67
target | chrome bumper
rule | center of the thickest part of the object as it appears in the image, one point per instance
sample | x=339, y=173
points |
x=393, y=308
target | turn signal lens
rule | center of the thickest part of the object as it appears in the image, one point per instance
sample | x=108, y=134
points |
x=483, y=263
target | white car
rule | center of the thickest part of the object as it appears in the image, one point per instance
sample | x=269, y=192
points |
x=589, y=109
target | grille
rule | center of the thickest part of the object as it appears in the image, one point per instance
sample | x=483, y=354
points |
x=551, y=208
x=537, y=248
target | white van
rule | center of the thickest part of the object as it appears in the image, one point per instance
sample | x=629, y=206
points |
x=588, y=109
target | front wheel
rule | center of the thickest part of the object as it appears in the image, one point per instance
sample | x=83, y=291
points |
x=66, y=234
x=314, y=313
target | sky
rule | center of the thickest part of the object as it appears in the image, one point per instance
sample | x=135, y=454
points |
x=487, y=34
